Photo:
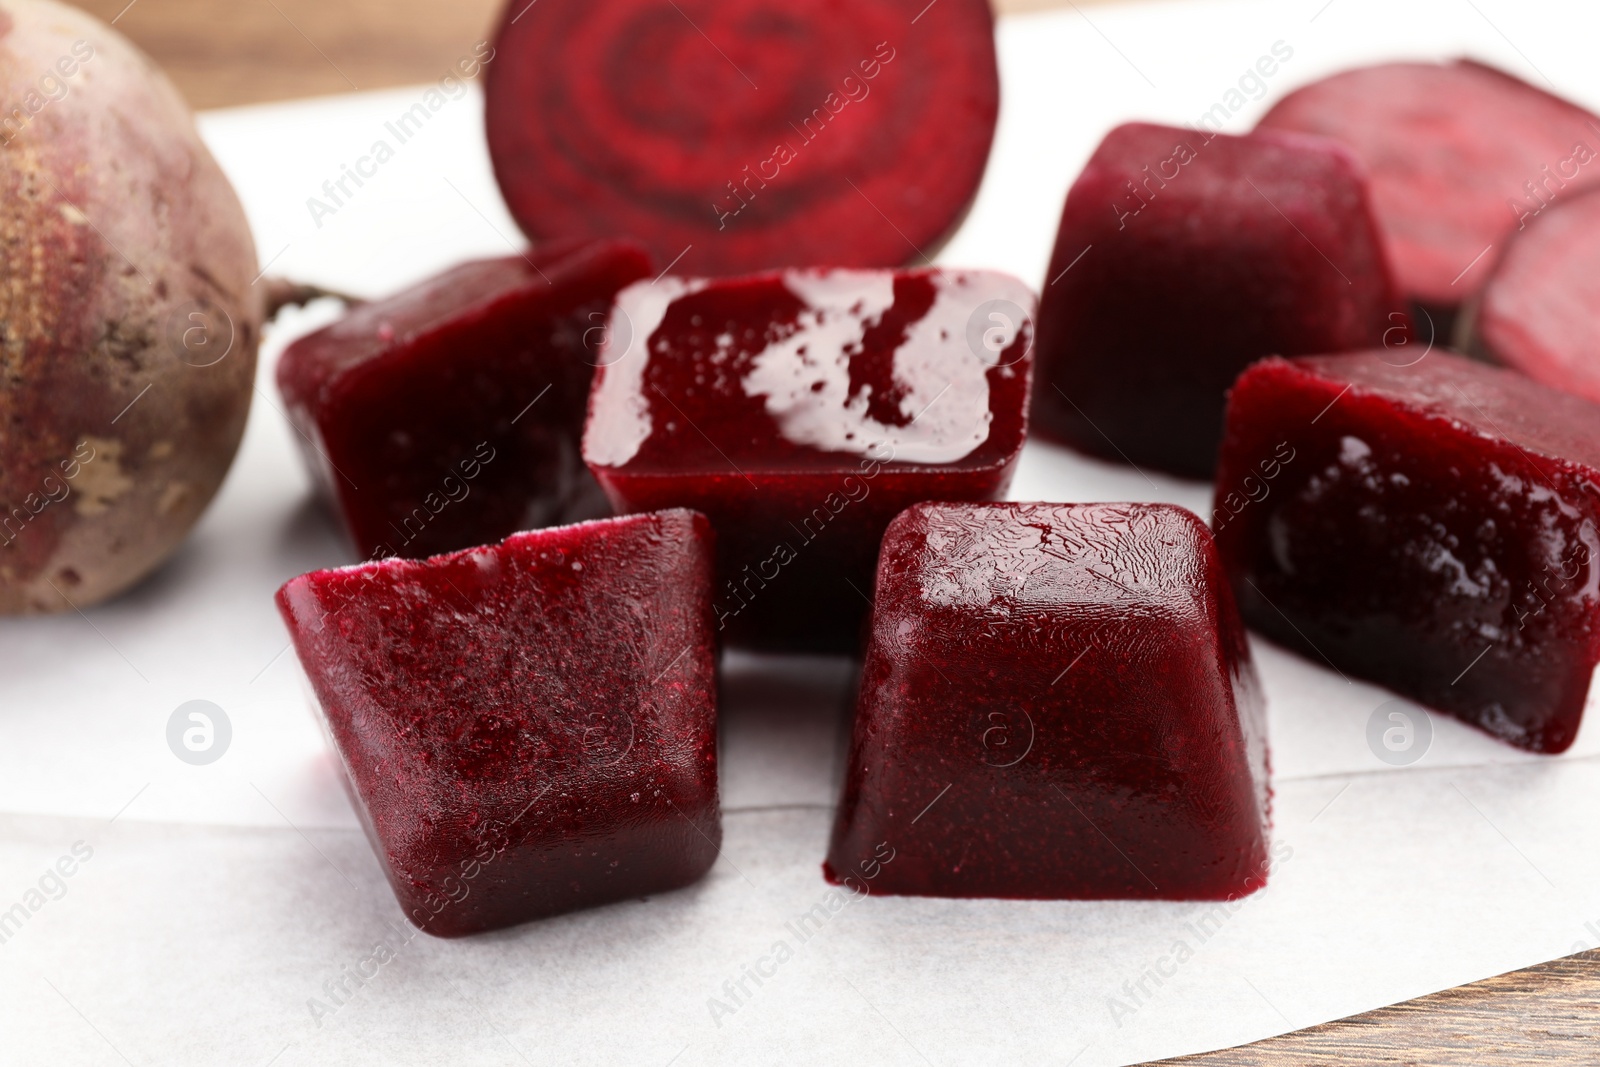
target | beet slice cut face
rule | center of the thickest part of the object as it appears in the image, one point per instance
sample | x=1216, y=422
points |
x=1058, y=702
x=1181, y=258
x=450, y=414
x=528, y=727
x=1460, y=156
x=801, y=411
x=1540, y=312
x=1430, y=528
x=744, y=135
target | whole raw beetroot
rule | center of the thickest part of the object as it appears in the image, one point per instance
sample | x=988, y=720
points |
x=128, y=321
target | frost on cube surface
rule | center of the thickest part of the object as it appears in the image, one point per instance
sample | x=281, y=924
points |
x=528, y=727
x=1428, y=527
x=1058, y=701
x=449, y=415
x=801, y=411
x=1182, y=257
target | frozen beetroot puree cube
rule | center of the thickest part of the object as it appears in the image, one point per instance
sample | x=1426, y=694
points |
x=802, y=411
x=528, y=727
x=1460, y=156
x=1058, y=702
x=1183, y=257
x=1540, y=312
x=1431, y=528
x=450, y=415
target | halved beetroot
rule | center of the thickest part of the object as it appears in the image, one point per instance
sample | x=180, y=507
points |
x=1460, y=155
x=1540, y=312
x=744, y=134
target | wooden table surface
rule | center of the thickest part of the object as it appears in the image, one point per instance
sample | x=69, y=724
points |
x=226, y=52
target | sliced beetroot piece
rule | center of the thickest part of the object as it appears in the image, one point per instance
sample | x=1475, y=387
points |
x=528, y=727
x=1183, y=257
x=1058, y=702
x=450, y=414
x=1540, y=311
x=1460, y=155
x=744, y=135
x=1431, y=528
x=802, y=411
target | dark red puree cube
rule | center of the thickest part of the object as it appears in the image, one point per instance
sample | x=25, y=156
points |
x=528, y=727
x=1431, y=528
x=1058, y=702
x=450, y=414
x=802, y=411
x=1184, y=256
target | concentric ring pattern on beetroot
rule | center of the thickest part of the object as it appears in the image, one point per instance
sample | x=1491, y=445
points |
x=744, y=134
x=528, y=727
x=1460, y=156
x=1540, y=312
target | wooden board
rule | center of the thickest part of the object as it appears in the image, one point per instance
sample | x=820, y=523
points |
x=226, y=52
x=1544, y=1015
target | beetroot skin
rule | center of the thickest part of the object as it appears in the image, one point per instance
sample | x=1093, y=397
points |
x=1540, y=312
x=1431, y=528
x=129, y=317
x=1058, y=702
x=1181, y=258
x=802, y=411
x=744, y=135
x=1460, y=156
x=529, y=727
x=450, y=414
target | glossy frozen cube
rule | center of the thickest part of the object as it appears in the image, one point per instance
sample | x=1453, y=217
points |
x=1058, y=702
x=1429, y=527
x=1184, y=256
x=801, y=411
x=528, y=727
x=449, y=415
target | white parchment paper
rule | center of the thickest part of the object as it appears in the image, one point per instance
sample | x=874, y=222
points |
x=214, y=914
